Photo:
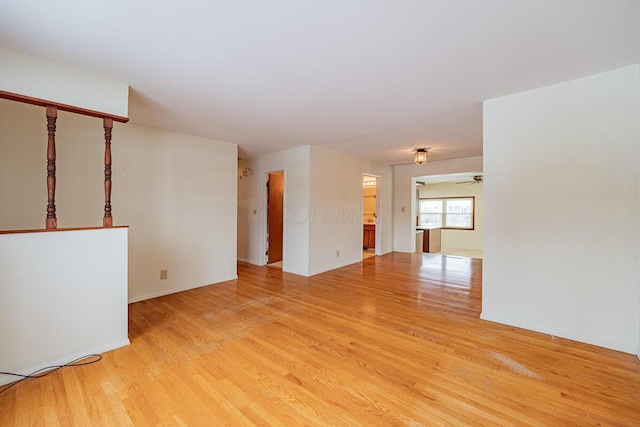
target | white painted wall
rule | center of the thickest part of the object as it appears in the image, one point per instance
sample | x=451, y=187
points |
x=25, y=75
x=323, y=208
x=252, y=208
x=176, y=192
x=179, y=195
x=462, y=239
x=63, y=296
x=404, y=195
x=336, y=208
x=23, y=162
x=562, y=197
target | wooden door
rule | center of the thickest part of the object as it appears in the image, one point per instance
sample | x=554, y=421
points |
x=275, y=216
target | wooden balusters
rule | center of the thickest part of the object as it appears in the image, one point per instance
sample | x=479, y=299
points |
x=52, y=221
x=52, y=115
x=107, y=221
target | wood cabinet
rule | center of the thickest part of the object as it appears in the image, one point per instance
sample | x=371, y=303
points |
x=432, y=240
x=369, y=236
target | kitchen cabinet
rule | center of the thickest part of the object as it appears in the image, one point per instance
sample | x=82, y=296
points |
x=432, y=240
x=369, y=236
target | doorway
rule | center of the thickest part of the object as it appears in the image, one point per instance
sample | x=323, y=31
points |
x=370, y=208
x=275, y=218
x=449, y=208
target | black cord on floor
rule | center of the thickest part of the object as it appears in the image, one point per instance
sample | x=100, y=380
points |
x=39, y=373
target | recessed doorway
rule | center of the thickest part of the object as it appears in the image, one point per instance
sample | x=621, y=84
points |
x=275, y=218
x=370, y=209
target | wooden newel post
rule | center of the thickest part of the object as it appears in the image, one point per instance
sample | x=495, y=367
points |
x=107, y=221
x=52, y=115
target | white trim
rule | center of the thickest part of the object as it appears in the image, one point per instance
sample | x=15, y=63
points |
x=560, y=333
x=252, y=262
x=380, y=224
x=176, y=290
x=335, y=267
x=6, y=379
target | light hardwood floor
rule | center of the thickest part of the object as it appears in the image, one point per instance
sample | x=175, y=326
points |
x=394, y=340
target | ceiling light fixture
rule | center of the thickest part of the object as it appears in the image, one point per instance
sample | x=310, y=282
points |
x=421, y=156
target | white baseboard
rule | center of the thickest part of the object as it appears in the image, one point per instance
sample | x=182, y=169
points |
x=383, y=253
x=6, y=379
x=561, y=333
x=176, y=290
x=252, y=262
x=335, y=267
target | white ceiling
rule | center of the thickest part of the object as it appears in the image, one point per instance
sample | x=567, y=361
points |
x=375, y=78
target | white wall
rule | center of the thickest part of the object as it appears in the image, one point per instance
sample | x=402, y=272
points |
x=252, y=208
x=322, y=204
x=462, y=239
x=179, y=195
x=404, y=195
x=25, y=75
x=562, y=197
x=176, y=192
x=337, y=205
x=63, y=296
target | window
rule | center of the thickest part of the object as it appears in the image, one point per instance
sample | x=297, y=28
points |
x=447, y=212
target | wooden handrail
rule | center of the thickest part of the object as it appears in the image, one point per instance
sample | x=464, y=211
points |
x=63, y=107
x=40, y=230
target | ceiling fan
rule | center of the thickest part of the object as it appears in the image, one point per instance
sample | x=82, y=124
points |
x=477, y=179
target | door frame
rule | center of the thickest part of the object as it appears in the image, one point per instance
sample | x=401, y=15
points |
x=379, y=222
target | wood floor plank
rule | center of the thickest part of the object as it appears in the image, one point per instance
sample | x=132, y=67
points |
x=394, y=340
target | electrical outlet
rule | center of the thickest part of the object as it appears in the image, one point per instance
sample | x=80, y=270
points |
x=163, y=274
x=337, y=253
